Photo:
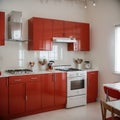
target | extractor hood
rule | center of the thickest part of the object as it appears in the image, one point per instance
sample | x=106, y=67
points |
x=64, y=40
x=15, y=26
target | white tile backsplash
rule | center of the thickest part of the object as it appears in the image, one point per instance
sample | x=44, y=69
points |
x=16, y=55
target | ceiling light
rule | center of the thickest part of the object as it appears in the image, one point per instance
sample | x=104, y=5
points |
x=84, y=2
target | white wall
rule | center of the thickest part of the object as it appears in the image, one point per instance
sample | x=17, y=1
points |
x=16, y=55
x=102, y=18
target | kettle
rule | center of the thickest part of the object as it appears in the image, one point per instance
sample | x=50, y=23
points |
x=87, y=64
x=50, y=65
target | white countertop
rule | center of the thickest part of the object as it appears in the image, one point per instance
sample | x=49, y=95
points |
x=5, y=74
x=115, y=86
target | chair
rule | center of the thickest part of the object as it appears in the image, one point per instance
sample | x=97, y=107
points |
x=111, y=93
x=105, y=107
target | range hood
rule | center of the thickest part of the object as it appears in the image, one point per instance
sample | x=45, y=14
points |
x=64, y=40
x=15, y=26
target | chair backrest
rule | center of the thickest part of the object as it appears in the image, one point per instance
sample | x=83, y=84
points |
x=104, y=108
x=112, y=93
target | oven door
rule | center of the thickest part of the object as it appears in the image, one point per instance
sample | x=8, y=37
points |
x=76, y=86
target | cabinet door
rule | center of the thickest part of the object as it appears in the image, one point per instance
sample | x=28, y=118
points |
x=3, y=98
x=58, y=28
x=84, y=38
x=35, y=34
x=60, y=88
x=17, y=95
x=2, y=28
x=69, y=29
x=47, y=34
x=47, y=90
x=81, y=33
x=92, y=86
x=33, y=92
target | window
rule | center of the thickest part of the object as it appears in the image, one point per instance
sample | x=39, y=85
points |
x=117, y=48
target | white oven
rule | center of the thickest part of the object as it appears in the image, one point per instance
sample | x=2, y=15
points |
x=76, y=88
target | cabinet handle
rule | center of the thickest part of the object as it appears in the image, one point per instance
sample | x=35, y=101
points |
x=33, y=78
x=55, y=77
x=7, y=83
x=17, y=80
x=26, y=98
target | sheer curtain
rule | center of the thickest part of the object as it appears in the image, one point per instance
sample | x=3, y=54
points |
x=117, y=49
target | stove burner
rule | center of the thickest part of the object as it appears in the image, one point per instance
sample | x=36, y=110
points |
x=68, y=69
x=19, y=71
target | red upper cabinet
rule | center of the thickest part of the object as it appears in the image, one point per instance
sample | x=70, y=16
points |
x=39, y=34
x=69, y=29
x=58, y=30
x=60, y=88
x=3, y=98
x=47, y=34
x=81, y=33
x=92, y=86
x=2, y=28
x=84, y=44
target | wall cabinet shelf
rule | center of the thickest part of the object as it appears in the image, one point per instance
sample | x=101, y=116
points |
x=2, y=28
x=41, y=32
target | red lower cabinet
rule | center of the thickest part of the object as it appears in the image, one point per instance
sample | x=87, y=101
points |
x=47, y=90
x=3, y=98
x=92, y=86
x=60, y=89
x=33, y=93
x=54, y=90
x=17, y=95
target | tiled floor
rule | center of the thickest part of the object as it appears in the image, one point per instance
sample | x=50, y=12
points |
x=89, y=112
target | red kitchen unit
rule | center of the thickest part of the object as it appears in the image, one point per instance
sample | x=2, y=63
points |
x=34, y=93
x=30, y=94
x=2, y=28
x=3, y=99
x=60, y=89
x=40, y=34
x=92, y=86
x=58, y=28
x=54, y=91
x=17, y=95
x=82, y=34
x=24, y=95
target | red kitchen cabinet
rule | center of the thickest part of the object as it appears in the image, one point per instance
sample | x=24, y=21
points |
x=69, y=29
x=58, y=28
x=47, y=34
x=60, y=88
x=33, y=93
x=17, y=95
x=2, y=28
x=39, y=34
x=92, y=86
x=81, y=33
x=3, y=98
x=47, y=90
x=54, y=90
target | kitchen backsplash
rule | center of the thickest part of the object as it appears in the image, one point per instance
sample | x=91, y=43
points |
x=16, y=55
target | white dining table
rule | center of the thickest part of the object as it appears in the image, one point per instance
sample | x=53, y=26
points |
x=115, y=104
x=115, y=86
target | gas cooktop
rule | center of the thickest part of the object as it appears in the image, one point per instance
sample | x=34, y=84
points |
x=19, y=71
x=68, y=69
